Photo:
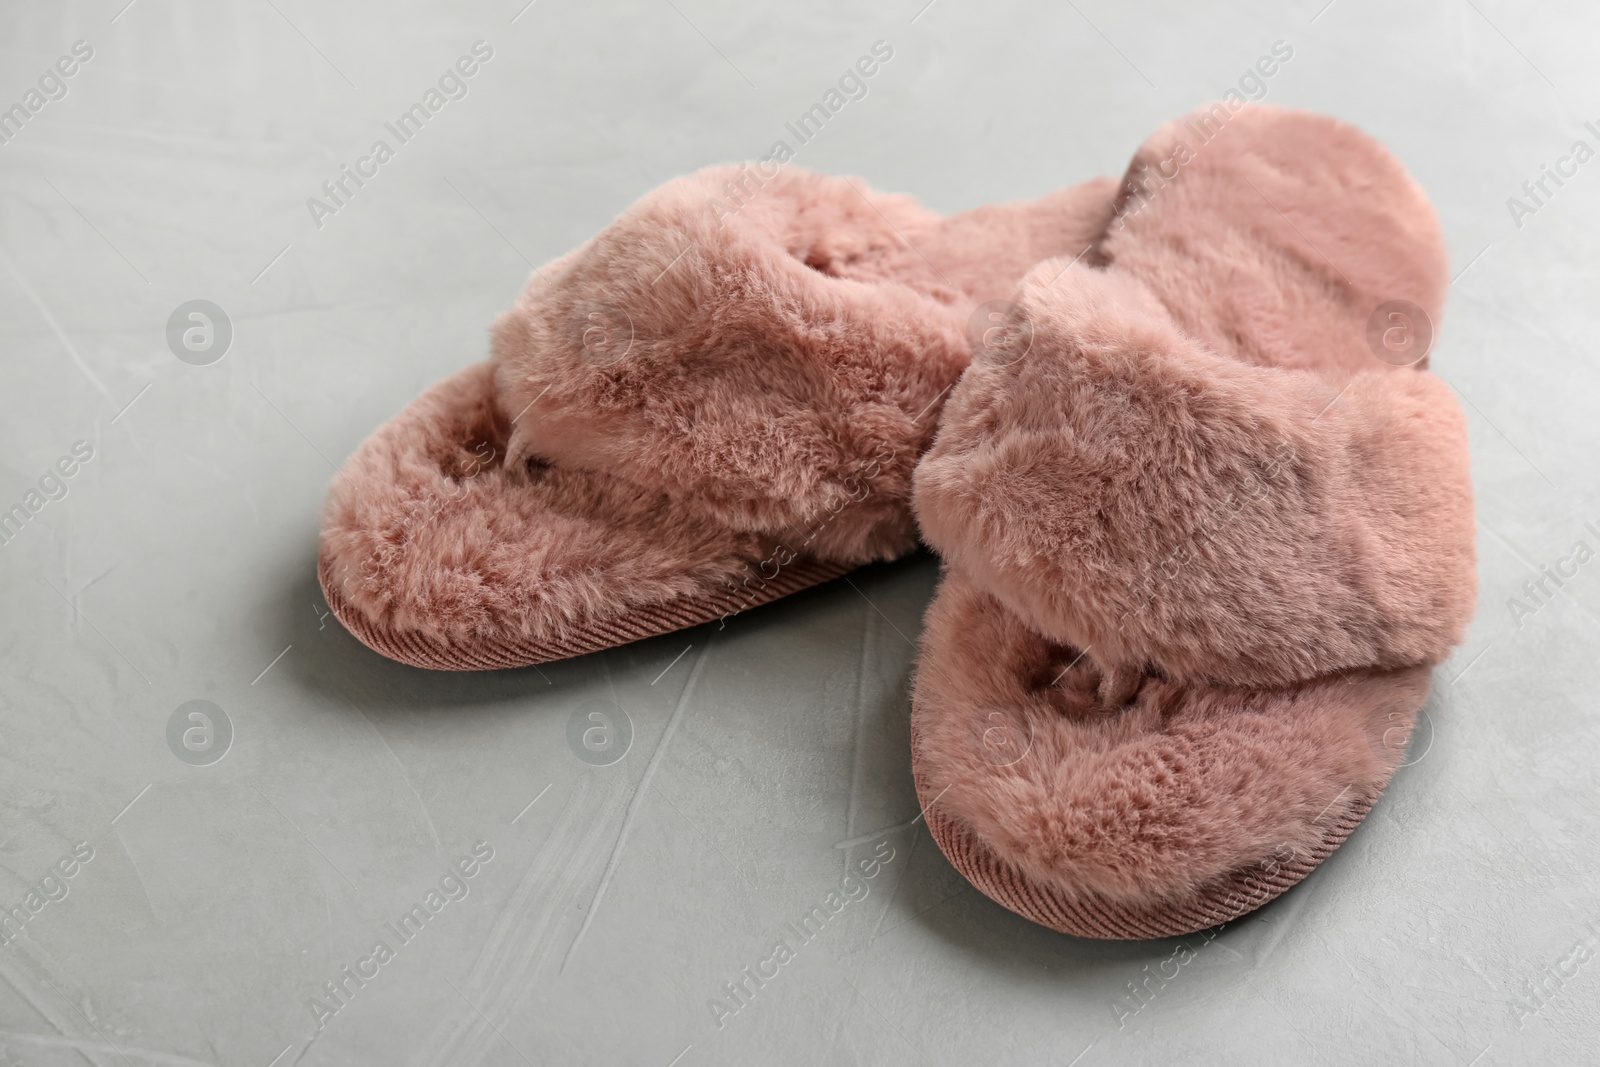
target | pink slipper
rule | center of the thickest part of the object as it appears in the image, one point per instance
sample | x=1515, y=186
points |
x=1204, y=541
x=717, y=401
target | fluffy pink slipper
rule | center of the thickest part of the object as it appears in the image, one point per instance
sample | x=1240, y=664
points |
x=1204, y=541
x=716, y=401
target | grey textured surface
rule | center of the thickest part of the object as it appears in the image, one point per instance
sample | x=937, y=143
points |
x=179, y=564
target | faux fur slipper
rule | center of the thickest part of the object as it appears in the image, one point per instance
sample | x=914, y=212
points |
x=1203, y=540
x=716, y=401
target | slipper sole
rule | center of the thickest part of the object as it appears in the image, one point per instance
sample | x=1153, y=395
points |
x=499, y=652
x=1092, y=916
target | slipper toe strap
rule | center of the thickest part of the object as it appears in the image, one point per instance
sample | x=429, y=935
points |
x=1128, y=491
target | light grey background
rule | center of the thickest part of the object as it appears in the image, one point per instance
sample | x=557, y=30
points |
x=180, y=565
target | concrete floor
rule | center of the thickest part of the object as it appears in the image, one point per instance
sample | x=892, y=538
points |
x=191, y=909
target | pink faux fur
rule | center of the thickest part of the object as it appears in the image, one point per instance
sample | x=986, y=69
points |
x=1143, y=802
x=696, y=397
x=1236, y=534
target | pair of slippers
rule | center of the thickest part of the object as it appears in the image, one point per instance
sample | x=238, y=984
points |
x=1206, y=518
